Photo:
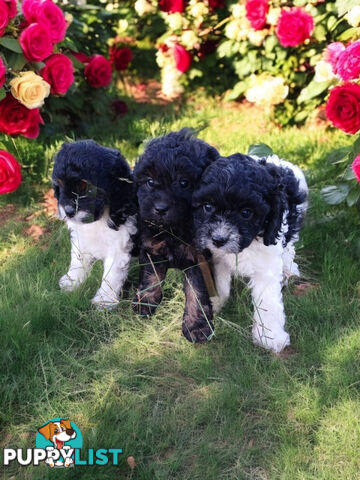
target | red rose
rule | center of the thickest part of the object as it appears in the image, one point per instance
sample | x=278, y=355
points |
x=348, y=64
x=98, y=71
x=256, y=11
x=2, y=72
x=36, y=43
x=4, y=17
x=119, y=107
x=356, y=167
x=332, y=54
x=182, y=58
x=343, y=107
x=29, y=9
x=207, y=48
x=80, y=56
x=120, y=57
x=10, y=172
x=59, y=73
x=294, y=27
x=15, y=119
x=172, y=6
x=214, y=4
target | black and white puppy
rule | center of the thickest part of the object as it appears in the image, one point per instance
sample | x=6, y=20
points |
x=96, y=197
x=248, y=213
x=165, y=177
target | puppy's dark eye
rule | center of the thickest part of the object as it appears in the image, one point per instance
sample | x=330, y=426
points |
x=184, y=183
x=82, y=187
x=246, y=213
x=56, y=430
x=208, y=207
x=150, y=182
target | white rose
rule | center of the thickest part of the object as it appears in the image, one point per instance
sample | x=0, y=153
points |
x=267, y=90
x=174, y=20
x=143, y=7
x=323, y=72
x=170, y=85
x=273, y=16
x=256, y=37
x=353, y=16
x=237, y=10
x=198, y=9
x=190, y=40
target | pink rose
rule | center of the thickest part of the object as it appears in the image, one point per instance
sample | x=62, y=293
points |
x=98, y=71
x=172, y=6
x=4, y=17
x=348, y=64
x=332, y=53
x=29, y=9
x=2, y=72
x=182, y=58
x=256, y=11
x=59, y=73
x=12, y=8
x=52, y=18
x=294, y=27
x=36, y=43
x=10, y=173
x=356, y=167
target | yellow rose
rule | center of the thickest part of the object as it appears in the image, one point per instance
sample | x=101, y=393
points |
x=30, y=89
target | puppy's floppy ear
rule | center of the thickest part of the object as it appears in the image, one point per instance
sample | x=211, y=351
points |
x=45, y=431
x=66, y=424
x=276, y=198
x=123, y=201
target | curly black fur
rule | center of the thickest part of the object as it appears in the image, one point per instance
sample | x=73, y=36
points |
x=165, y=177
x=240, y=199
x=89, y=178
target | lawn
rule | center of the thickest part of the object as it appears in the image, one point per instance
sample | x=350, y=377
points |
x=224, y=410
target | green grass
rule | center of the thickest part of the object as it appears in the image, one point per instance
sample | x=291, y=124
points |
x=225, y=410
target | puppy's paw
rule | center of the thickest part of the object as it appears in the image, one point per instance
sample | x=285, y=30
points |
x=145, y=305
x=104, y=302
x=217, y=303
x=68, y=283
x=273, y=340
x=200, y=331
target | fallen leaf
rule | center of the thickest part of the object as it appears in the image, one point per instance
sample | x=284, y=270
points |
x=50, y=203
x=35, y=231
x=303, y=288
x=131, y=462
x=288, y=352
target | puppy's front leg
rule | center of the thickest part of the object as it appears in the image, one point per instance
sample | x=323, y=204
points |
x=153, y=271
x=222, y=277
x=197, y=323
x=80, y=266
x=114, y=276
x=269, y=317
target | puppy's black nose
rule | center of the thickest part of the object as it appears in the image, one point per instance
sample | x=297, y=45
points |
x=161, y=208
x=69, y=210
x=219, y=241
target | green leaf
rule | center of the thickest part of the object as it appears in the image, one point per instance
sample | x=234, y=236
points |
x=356, y=147
x=239, y=89
x=335, y=194
x=260, y=150
x=339, y=155
x=2, y=93
x=11, y=44
x=313, y=90
x=349, y=173
x=16, y=61
x=353, y=196
x=349, y=34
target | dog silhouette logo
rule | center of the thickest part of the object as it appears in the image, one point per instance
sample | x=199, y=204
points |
x=59, y=437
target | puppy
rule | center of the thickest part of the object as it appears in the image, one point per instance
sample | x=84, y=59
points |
x=165, y=176
x=96, y=198
x=248, y=213
x=58, y=433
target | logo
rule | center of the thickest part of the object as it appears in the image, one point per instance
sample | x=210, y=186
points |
x=59, y=444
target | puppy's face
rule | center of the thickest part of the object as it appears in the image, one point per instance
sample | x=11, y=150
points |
x=78, y=199
x=166, y=175
x=89, y=178
x=232, y=205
